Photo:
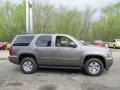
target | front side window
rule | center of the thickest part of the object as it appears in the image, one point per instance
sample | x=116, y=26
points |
x=44, y=41
x=62, y=41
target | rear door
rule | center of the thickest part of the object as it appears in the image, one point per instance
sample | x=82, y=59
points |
x=45, y=50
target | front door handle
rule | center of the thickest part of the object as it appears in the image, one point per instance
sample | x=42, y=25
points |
x=57, y=50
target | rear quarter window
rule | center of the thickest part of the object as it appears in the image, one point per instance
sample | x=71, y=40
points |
x=23, y=40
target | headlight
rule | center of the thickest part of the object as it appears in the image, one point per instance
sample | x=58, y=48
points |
x=109, y=54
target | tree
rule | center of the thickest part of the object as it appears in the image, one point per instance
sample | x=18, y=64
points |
x=108, y=28
x=12, y=20
x=48, y=19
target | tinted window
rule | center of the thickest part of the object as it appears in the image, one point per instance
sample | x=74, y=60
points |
x=23, y=40
x=44, y=41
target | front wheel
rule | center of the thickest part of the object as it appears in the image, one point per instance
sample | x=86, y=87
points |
x=114, y=46
x=28, y=65
x=94, y=67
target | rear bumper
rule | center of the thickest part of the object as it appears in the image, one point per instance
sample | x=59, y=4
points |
x=14, y=59
x=109, y=63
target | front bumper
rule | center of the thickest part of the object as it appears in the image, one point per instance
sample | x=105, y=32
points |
x=109, y=62
x=14, y=59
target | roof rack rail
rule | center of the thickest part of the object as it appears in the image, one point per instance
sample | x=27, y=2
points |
x=41, y=33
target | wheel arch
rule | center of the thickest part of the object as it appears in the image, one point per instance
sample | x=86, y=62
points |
x=23, y=55
x=95, y=56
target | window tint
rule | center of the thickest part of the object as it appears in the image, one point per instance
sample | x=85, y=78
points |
x=23, y=40
x=44, y=41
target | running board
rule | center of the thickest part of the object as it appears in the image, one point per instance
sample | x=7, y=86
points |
x=60, y=67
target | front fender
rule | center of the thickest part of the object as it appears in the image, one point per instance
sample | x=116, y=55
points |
x=91, y=53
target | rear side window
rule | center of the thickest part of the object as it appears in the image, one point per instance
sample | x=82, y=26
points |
x=23, y=40
x=44, y=41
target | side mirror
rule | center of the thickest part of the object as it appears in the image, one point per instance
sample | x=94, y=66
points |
x=74, y=45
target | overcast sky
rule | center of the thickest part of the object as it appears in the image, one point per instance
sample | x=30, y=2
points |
x=80, y=4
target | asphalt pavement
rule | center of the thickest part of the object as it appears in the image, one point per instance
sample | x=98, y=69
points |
x=11, y=77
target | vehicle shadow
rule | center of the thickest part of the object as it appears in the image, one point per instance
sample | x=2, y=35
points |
x=44, y=70
x=60, y=71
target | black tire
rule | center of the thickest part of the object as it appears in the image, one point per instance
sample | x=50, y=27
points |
x=114, y=46
x=33, y=63
x=92, y=60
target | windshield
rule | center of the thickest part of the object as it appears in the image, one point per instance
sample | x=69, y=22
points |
x=79, y=42
x=98, y=41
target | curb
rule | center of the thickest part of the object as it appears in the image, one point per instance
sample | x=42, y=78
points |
x=3, y=58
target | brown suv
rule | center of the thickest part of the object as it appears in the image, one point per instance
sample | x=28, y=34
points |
x=58, y=50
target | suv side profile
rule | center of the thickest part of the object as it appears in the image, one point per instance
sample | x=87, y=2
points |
x=58, y=50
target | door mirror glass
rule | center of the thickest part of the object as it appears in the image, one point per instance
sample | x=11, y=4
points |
x=73, y=45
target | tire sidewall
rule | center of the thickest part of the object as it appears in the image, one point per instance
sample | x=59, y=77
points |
x=97, y=61
x=30, y=60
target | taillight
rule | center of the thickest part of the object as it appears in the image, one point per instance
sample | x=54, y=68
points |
x=10, y=50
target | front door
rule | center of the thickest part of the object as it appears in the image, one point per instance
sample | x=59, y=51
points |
x=64, y=53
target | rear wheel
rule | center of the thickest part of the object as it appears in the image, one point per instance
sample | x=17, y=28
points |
x=94, y=67
x=28, y=65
